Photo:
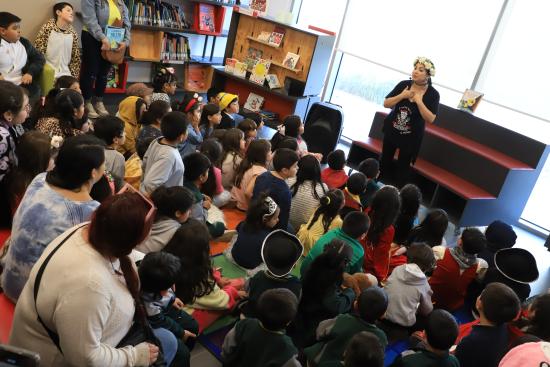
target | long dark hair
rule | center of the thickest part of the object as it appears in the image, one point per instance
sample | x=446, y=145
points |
x=232, y=144
x=410, y=203
x=432, y=229
x=256, y=154
x=329, y=208
x=155, y=112
x=292, y=125
x=66, y=101
x=47, y=109
x=190, y=244
x=76, y=159
x=208, y=110
x=116, y=227
x=213, y=150
x=383, y=211
x=309, y=169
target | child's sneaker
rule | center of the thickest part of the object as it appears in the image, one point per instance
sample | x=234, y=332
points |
x=91, y=110
x=100, y=109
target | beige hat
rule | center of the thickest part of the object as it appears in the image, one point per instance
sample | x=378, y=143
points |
x=139, y=90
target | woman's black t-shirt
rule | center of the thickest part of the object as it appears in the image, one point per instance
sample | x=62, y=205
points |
x=404, y=125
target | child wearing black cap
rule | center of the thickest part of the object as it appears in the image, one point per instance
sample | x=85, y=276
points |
x=280, y=252
x=262, y=341
x=441, y=333
x=333, y=334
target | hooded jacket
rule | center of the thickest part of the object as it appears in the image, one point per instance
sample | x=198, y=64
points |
x=127, y=110
x=408, y=292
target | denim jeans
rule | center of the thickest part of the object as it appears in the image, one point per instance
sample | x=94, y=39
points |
x=169, y=344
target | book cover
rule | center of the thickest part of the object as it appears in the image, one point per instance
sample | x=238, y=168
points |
x=206, y=17
x=470, y=100
x=264, y=36
x=260, y=71
x=291, y=60
x=240, y=69
x=254, y=102
x=273, y=81
x=115, y=35
x=230, y=65
x=258, y=5
x=276, y=37
x=252, y=56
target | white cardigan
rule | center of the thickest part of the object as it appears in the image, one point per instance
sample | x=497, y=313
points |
x=85, y=302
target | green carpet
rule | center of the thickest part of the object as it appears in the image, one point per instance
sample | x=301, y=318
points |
x=230, y=270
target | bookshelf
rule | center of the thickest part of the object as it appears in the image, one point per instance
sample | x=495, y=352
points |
x=304, y=81
x=119, y=78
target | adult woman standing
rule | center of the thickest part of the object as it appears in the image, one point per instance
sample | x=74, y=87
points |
x=413, y=102
x=96, y=15
x=54, y=202
x=90, y=304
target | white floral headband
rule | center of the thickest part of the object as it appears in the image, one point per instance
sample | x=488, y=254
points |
x=428, y=64
x=271, y=207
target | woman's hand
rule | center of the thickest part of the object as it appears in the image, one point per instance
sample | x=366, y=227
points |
x=105, y=45
x=407, y=93
x=121, y=47
x=417, y=98
x=153, y=353
x=178, y=303
x=187, y=334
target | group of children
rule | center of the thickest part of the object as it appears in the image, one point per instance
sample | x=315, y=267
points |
x=370, y=272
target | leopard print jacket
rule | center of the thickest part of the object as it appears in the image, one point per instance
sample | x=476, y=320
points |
x=41, y=44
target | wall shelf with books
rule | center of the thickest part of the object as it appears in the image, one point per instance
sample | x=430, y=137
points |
x=273, y=63
x=265, y=43
x=228, y=4
x=208, y=18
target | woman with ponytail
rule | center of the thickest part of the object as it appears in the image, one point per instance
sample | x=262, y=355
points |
x=88, y=294
x=323, y=219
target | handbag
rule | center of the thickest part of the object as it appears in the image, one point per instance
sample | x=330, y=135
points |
x=114, y=57
x=137, y=334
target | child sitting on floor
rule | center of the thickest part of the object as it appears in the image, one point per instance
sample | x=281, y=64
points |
x=162, y=163
x=325, y=218
x=441, y=332
x=280, y=252
x=157, y=274
x=355, y=187
x=210, y=118
x=130, y=110
x=173, y=209
x=261, y=217
x=195, y=175
x=263, y=341
x=233, y=152
x=334, y=175
x=488, y=341
x=333, y=334
x=150, y=123
x=205, y=293
x=110, y=129
x=456, y=268
x=431, y=230
x=364, y=349
x=229, y=105
x=410, y=203
x=213, y=187
x=164, y=85
x=250, y=130
x=191, y=107
x=371, y=169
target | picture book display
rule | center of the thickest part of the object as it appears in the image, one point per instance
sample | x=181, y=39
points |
x=230, y=65
x=264, y=36
x=291, y=60
x=206, y=17
x=240, y=69
x=115, y=35
x=276, y=37
x=470, y=100
x=259, y=72
x=254, y=102
x=273, y=81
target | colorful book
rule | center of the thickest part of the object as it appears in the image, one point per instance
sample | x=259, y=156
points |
x=273, y=81
x=276, y=37
x=115, y=35
x=254, y=102
x=230, y=65
x=264, y=36
x=240, y=69
x=259, y=72
x=470, y=100
x=258, y=5
x=206, y=17
x=291, y=60
x=252, y=56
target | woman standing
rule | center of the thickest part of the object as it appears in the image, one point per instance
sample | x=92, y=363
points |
x=97, y=14
x=413, y=102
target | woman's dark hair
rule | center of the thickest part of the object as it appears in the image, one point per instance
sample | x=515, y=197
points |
x=432, y=229
x=163, y=76
x=76, y=159
x=65, y=81
x=540, y=321
x=33, y=153
x=309, y=169
x=410, y=203
x=292, y=125
x=169, y=200
x=256, y=154
x=66, y=101
x=255, y=214
x=116, y=227
x=156, y=111
x=190, y=244
x=11, y=98
x=212, y=149
x=60, y=7
x=325, y=272
x=231, y=143
x=207, y=111
x=383, y=210
x=329, y=208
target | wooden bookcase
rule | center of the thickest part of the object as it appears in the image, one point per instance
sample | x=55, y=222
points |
x=313, y=47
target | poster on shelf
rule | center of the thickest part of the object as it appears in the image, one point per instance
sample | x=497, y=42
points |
x=291, y=60
x=254, y=102
x=206, y=17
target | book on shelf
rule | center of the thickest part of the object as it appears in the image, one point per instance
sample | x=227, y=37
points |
x=115, y=35
x=258, y=5
x=276, y=37
x=156, y=13
x=470, y=100
x=259, y=72
x=175, y=48
x=252, y=56
x=240, y=69
x=273, y=81
x=264, y=36
x=113, y=77
x=207, y=17
x=290, y=60
x=254, y=102
x=229, y=66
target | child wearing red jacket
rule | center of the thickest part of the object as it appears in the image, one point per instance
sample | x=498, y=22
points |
x=377, y=244
x=334, y=175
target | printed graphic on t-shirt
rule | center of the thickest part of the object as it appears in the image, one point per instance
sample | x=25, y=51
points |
x=402, y=123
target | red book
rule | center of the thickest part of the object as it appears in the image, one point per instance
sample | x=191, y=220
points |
x=206, y=17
